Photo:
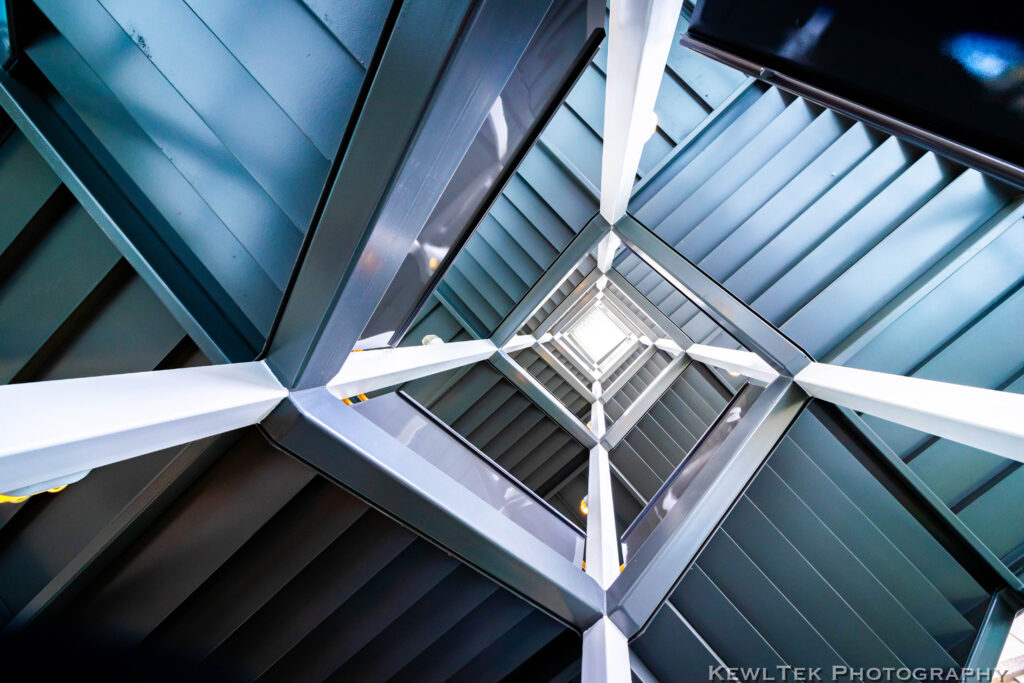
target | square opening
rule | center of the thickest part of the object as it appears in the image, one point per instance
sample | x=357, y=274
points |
x=597, y=334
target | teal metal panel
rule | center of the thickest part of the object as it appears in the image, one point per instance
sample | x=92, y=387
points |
x=43, y=290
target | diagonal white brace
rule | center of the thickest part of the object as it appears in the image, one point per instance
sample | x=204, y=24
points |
x=639, y=38
x=59, y=428
x=369, y=370
x=734, y=361
x=982, y=418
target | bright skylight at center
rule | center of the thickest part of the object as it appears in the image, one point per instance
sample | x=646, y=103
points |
x=596, y=334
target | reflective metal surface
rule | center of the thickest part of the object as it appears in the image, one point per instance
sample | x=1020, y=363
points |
x=354, y=452
x=671, y=491
x=514, y=120
x=451, y=454
x=691, y=512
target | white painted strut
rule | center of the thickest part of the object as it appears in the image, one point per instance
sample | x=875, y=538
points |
x=518, y=342
x=990, y=420
x=738, y=362
x=369, y=370
x=640, y=35
x=602, y=540
x=605, y=654
x=53, y=430
x=668, y=346
x=606, y=249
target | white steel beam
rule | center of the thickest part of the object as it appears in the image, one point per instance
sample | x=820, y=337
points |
x=519, y=342
x=668, y=346
x=606, y=249
x=369, y=370
x=605, y=654
x=735, y=362
x=982, y=418
x=621, y=380
x=564, y=372
x=64, y=427
x=602, y=540
x=639, y=38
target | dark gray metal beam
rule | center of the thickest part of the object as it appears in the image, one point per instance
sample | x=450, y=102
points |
x=654, y=568
x=988, y=643
x=442, y=70
x=353, y=451
x=734, y=316
x=585, y=240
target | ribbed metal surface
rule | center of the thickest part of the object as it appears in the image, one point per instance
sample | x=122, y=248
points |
x=662, y=439
x=616, y=404
x=229, y=140
x=487, y=409
x=818, y=565
x=69, y=307
x=867, y=252
x=673, y=303
x=264, y=569
x=559, y=295
x=553, y=382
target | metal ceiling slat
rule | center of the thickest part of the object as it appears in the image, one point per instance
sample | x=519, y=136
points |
x=911, y=643
x=834, y=618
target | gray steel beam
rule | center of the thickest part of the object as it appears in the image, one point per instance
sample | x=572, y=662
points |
x=353, y=451
x=537, y=393
x=734, y=316
x=442, y=70
x=653, y=569
x=569, y=301
x=988, y=643
x=621, y=380
x=638, y=408
x=564, y=372
x=581, y=245
x=652, y=311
